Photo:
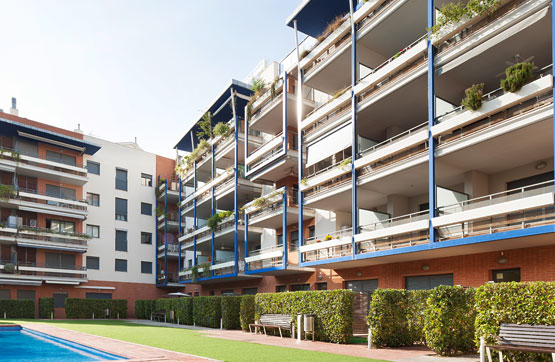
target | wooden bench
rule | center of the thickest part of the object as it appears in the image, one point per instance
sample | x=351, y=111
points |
x=159, y=315
x=275, y=321
x=524, y=338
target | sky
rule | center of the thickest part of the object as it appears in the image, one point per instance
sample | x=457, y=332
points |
x=133, y=68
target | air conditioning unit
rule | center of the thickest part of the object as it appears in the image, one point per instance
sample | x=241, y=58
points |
x=33, y=223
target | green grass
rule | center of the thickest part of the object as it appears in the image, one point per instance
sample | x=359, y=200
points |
x=193, y=342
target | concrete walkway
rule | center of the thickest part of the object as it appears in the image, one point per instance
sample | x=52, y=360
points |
x=134, y=352
x=407, y=354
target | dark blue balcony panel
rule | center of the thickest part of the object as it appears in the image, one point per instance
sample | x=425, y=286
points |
x=313, y=16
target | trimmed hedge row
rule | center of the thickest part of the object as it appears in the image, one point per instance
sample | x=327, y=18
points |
x=46, y=306
x=520, y=303
x=20, y=308
x=79, y=308
x=333, y=310
x=231, y=307
x=246, y=313
x=207, y=311
x=140, y=311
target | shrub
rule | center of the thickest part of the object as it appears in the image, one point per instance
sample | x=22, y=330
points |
x=333, y=310
x=388, y=318
x=140, y=311
x=207, y=311
x=221, y=129
x=231, y=307
x=520, y=303
x=77, y=308
x=246, y=313
x=517, y=76
x=449, y=320
x=17, y=308
x=46, y=306
x=416, y=314
x=184, y=310
x=473, y=99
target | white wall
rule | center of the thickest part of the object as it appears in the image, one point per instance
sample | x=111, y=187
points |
x=135, y=161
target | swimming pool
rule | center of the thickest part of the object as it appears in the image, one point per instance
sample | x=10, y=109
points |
x=19, y=344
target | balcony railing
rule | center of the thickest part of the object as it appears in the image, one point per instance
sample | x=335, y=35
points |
x=266, y=100
x=328, y=246
x=265, y=258
x=51, y=200
x=171, y=277
x=44, y=270
x=394, y=139
x=331, y=116
x=41, y=234
x=395, y=221
x=329, y=186
x=43, y=162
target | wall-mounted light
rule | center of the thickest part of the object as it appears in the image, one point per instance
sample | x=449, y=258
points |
x=359, y=274
x=319, y=277
x=425, y=267
x=541, y=165
x=502, y=259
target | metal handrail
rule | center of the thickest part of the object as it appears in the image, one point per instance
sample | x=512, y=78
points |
x=335, y=235
x=265, y=250
x=394, y=138
x=394, y=221
x=34, y=155
x=319, y=172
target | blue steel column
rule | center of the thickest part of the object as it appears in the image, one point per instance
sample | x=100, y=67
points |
x=284, y=95
x=553, y=62
x=156, y=236
x=195, y=223
x=213, y=174
x=299, y=143
x=179, y=231
x=246, y=251
x=431, y=119
x=246, y=139
x=284, y=228
x=166, y=233
x=354, y=146
x=236, y=192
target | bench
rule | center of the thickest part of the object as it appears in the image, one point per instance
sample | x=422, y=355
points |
x=159, y=315
x=524, y=338
x=275, y=321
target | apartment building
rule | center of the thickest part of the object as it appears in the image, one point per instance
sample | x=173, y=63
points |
x=78, y=216
x=364, y=170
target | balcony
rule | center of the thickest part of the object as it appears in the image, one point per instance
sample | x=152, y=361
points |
x=170, y=220
x=327, y=246
x=271, y=162
x=171, y=279
x=172, y=193
x=35, y=201
x=35, y=274
x=265, y=258
x=172, y=250
x=38, y=166
x=39, y=238
x=515, y=209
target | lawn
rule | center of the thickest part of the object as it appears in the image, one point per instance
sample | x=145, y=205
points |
x=193, y=342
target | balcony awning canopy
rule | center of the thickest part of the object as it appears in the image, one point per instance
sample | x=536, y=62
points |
x=329, y=145
x=221, y=112
x=313, y=16
x=12, y=128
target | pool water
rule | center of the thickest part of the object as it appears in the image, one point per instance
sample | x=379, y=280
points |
x=17, y=344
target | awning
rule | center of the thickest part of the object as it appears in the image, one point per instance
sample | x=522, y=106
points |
x=329, y=145
x=515, y=29
x=313, y=16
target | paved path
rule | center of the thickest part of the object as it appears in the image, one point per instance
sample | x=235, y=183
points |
x=135, y=352
x=407, y=354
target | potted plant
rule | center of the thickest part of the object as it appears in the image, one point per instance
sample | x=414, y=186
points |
x=473, y=99
x=517, y=75
x=9, y=268
x=328, y=237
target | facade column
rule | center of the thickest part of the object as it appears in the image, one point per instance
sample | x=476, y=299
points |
x=195, y=222
x=165, y=233
x=431, y=118
x=354, y=146
x=300, y=141
x=236, y=192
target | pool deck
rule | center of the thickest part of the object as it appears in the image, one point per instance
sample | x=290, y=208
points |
x=134, y=352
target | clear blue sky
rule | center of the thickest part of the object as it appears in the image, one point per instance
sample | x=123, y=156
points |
x=126, y=68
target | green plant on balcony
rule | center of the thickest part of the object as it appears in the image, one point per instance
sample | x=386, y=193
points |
x=452, y=13
x=304, y=53
x=221, y=129
x=215, y=219
x=473, y=99
x=331, y=27
x=273, y=87
x=258, y=86
x=344, y=163
x=304, y=181
x=9, y=268
x=196, y=273
x=517, y=75
x=7, y=192
x=36, y=230
x=159, y=211
x=205, y=126
x=13, y=154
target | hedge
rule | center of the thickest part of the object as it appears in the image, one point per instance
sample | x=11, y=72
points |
x=416, y=314
x=207, y=311
x=246, y=312
x=519, y=303
x=388, y=318
x=22, y=308
x=184, y=310
x=140, y=312
x=333, y=310
x=46, y=306
x=449, y=320
x=78, y=308
x=231, y=307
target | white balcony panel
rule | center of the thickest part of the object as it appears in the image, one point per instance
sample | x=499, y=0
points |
x=326, y=176
x=324, y=194
x=264, y=150
x=394, y=168
x=326, y=109
x=346, y=240
x=269, y=255
x=392, y=148
x=50, y=198
x=52, y=270
x=546, y=199
x=50, y=211
x=45, y=244
x=332, y=143
x=393, y=230
x=59, y=175
x=228, y=264
x=54, y=164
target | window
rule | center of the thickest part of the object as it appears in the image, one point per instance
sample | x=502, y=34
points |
x=322, y=286
x=227, y=292
x=121, y=209
x=294, y=240
x=300, y=287
x=121, y=265
x=506, y=275
x=428, y=281
x=93, y=262
x=93, y=167
x=280, y=239
x=60, y=192
x=93, y=199
x=5, y=294
x=60, y=300
x=60, y=157
x=196, y=294
x=146, y=238
x=146, y=179
x=93, y=231
x=362, y=286
x=311, y=231
x=211, y=292
x=60, y=226
x=98, y=295
x=121, y=179
x=146, y=209
x=121, y=240
x=281, y=288
x=63, y=261
x=146, y=267
x=250, y=291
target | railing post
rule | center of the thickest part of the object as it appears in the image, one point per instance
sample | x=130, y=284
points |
x=354, y=145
